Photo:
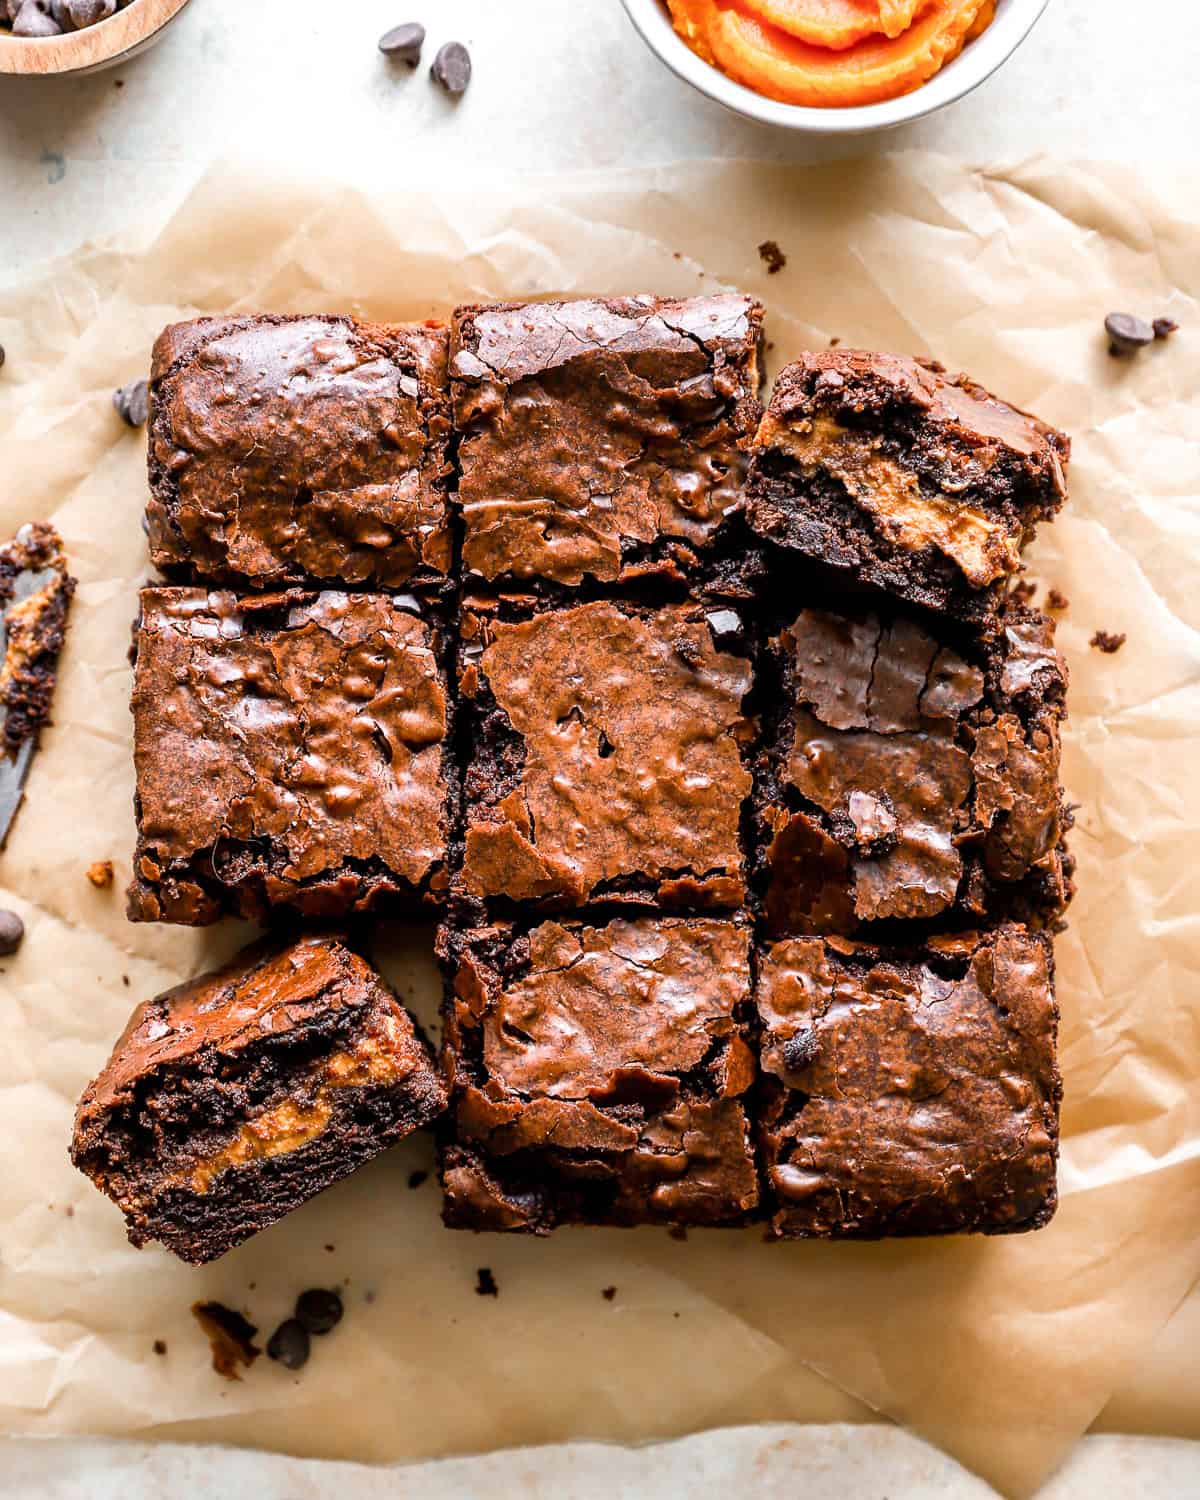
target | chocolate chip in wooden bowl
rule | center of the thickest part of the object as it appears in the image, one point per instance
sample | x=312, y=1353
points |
x=290, y=1344
x=452, y=68
x=12, y=932
x=33, y=19
x=132, y=403
x=404, y=43
x=1126, y=333
x=319, y=1310
x=76, y=14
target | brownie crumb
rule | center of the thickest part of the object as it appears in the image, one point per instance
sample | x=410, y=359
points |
x=677, y=1232
x=100, y=873
x=833, y=343
x=318, y=1311
x=415, y=1179
x=485, y=1285
x=1023, y=591
x=1108, y=641
x=772, y=257
x=1056, y=600
x=159, y=1346
x=1164, y=327
x=608, y=1293
x=125, y=980
x=289, y=1345
x=230, y=1336
x=331, y=1248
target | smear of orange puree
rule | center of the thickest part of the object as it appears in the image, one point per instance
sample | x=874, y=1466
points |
x=777, y=64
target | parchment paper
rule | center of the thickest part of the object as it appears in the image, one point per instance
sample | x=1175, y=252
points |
x=1002, y=1351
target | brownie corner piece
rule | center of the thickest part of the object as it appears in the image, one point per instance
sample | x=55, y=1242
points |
x=598, y=1074
x=299, y=449
x=234, y=1098
x=291, y=751
x=912, y=480
x=604, y=439
x=908, y=1092
x=608, y=755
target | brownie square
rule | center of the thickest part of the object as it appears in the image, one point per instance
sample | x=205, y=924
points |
x=910, y=775
x=598, y=1074
x=290, y=751
x=300, y=449
x=917, y=482
x=606, y=755
x=604, y=440
x=234, y=1098
x=908, y=1093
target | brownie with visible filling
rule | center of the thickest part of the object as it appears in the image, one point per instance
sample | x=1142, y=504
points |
x=603, y=441
x=291, y=750
x=909, y=479
x=598, y=1074
x=236, y=1097
x=910, y=774
x=606, y=755
x=908, y=1092
x=300, y=449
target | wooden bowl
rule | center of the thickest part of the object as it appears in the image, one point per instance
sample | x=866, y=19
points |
x=101, y=46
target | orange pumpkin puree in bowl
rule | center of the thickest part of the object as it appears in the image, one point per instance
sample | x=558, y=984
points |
x=830, y=54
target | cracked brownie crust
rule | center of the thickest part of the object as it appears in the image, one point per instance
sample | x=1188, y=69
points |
x=598, y=1074
x=290, y=750
x=904, y=781
x=300, y=449
x=606, y=757
x=234, y=1098
x=914, y=481
x=604, y=440
x=908, y=1093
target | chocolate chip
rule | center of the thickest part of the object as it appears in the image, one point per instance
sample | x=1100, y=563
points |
x=80, y=13
x=32, y=20
x=132, y=403
x=485, y=1283
x=452, y=68
x=725, y=624
x=772, y=257
x=1127, y=333
x=319, y=1310
x=1164, y=327
x=608, y=1293
x=3, y=356
x=289, y=1345
x=799, y=1050
x=404, y=43
x=160, y=1347
x=12, y=930
x=415, y=1179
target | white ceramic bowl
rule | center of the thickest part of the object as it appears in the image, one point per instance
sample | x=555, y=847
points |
x=977, y=61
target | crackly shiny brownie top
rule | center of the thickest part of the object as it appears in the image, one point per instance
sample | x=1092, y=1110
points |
x=909, y=1093
x=300, y=448
x=606, y=759
x=601, y=438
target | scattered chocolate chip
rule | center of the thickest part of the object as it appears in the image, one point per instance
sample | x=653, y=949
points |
x=452, y=68
x=80, y=13
x=3, y=356
x=1107, y=641
x=289, y=1345
x=677, y=1232
x=1056, y=600
x=1164, y=327
x=485, y=1284
x=12, y=930
x=1126, y=333
x=833, y=343
x=319, y=1310
x=101, y=874
x=415, y=1179
x=404, y=42
x=132, y=403
x=159, y=1347
x=230, y=1335
x=772, y=257
x=331, y=1248
x=609, y=1293
x=125, y=980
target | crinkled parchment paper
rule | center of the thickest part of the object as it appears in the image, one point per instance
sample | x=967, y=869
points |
x=1002, y=1351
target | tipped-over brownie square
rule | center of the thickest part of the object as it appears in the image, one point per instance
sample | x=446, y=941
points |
x=920, y=483
x=290, y=750
x=908, y=776
x=598, y=1074
x=604, y=440
x=908, y=1092
x=234, y=1098
x=606, y=755
x=297, y=449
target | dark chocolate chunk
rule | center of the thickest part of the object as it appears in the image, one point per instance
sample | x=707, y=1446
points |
x=12, y=931
x=230, y=1335
x=452, y=68
x=34, y=20
x=3, y=356
x=132, y=403
x=485, y=1284
x=1107, y=641
x=404, y=42
x=772, y=257
x=1126, y=333
x=76, y=14
x=319, y=1310
x=289, y=1345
